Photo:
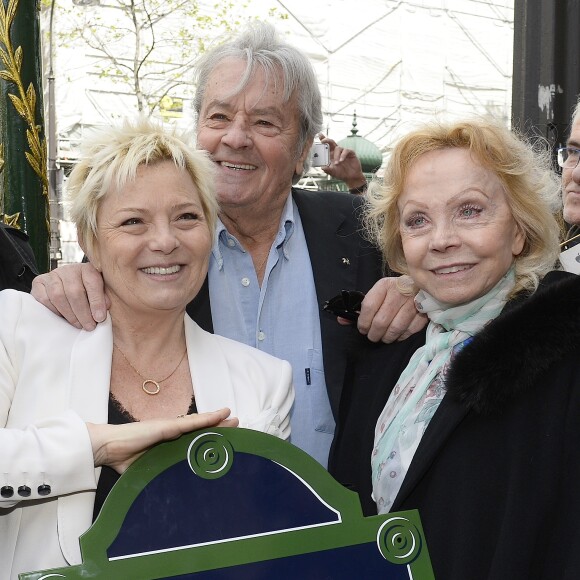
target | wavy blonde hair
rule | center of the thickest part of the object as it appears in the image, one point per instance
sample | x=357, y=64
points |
x=110, y=159
x=525, y=170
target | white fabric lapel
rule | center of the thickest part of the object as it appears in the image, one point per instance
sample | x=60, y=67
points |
x=90, y=373
x=88, y=394
x=209, y=370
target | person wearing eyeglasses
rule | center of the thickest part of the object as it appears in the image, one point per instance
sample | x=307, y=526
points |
x=279, y=251
x=475, y=422
x=568, y=158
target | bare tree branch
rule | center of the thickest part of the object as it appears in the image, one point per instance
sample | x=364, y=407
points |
x=149, y=47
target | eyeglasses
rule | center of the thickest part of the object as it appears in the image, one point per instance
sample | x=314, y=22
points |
x=347, y=304
x=568, y=157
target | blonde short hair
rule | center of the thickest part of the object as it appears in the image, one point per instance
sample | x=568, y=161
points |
x=530, y=184
x=110, y=160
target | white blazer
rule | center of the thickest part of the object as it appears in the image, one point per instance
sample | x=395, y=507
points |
x=53, y=379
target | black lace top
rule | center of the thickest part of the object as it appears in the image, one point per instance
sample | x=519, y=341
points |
x=118, y=415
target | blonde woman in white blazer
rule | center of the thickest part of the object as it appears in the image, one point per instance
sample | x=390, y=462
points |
x=143, y=204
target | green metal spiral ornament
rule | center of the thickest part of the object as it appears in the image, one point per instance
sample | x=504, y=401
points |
x=399, y=541
x=210, y=455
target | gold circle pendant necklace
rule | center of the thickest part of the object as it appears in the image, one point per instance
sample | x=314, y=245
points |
x=156, y=385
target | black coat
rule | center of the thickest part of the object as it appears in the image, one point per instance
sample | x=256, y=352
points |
x=17, y=264
x=496, y=477
x=341, y=260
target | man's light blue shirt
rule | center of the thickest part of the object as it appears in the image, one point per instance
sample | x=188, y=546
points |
x=280, y=318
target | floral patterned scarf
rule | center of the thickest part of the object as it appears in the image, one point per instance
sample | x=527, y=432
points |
x=421, y=387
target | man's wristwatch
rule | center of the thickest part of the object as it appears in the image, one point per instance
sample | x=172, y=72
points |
x=358, y=190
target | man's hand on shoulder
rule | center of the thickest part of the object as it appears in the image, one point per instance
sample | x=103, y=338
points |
x=387, y=315
x=75, y=292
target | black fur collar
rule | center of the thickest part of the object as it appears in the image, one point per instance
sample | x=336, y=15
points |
x=504, y=360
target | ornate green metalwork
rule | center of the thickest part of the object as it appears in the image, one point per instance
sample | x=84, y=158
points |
x=23, y=167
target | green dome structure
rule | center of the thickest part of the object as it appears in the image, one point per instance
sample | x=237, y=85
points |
x=369, y=154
